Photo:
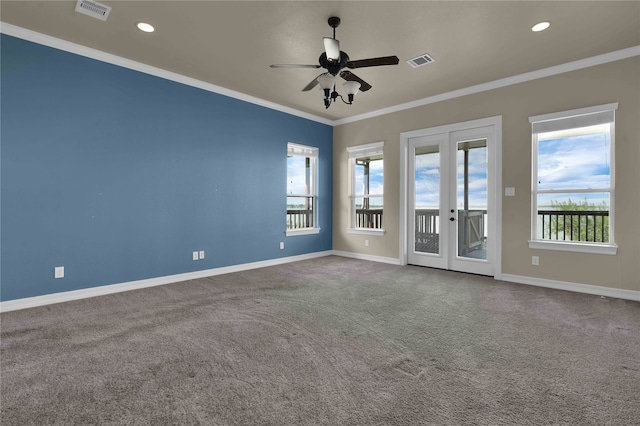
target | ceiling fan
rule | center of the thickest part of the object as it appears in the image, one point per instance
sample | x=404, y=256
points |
x=335, y=61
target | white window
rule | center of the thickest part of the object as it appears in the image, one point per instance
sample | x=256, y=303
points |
x=573, y=180
x=302, y=187
x=366, y=166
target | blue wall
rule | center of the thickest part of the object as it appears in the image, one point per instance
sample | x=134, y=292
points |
x=118, y=175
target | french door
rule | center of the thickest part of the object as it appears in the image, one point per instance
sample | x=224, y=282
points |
x=451, y=200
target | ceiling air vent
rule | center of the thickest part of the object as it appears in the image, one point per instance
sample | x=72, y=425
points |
x=420, y=60
x=93, y=9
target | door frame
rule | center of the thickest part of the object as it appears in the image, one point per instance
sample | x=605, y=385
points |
x=495, y=164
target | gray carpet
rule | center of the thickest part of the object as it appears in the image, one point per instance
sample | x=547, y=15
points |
x=329, y=341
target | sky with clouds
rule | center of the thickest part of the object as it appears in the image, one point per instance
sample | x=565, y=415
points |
x=427, y=180
x=376, y=178
x=296, y=180
x=566, y=163
x=570, y=163
x=296, y=175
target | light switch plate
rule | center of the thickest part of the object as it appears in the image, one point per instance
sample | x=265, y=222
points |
x=201, y=254
x=510, y=191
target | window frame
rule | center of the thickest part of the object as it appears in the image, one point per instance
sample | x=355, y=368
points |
x=313, y=153
x=566, y=120
x=355, y=152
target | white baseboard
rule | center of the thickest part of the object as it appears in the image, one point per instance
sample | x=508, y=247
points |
x=372, y=258
x=48, y=299
x=578, y=288
x=560, y=285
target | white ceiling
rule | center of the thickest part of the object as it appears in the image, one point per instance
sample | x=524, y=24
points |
x=232, y=43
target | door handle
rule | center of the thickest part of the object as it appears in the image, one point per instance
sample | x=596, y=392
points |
x=451, y=219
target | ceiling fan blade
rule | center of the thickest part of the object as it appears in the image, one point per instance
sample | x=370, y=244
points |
x=312, y=84
x=332, y=48
x=349, y=76
x=294, y=66
x=373, y=62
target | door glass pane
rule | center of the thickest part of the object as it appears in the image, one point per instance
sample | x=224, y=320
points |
x=472, y=199
x=427, y=199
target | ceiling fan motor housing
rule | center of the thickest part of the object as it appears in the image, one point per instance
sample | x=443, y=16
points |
x=334, y=67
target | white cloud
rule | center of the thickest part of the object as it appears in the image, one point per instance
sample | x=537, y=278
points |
x=578, y=162
x=296, y=175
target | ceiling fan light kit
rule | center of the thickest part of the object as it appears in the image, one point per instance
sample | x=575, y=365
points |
x=327, y=83
x=335, y=61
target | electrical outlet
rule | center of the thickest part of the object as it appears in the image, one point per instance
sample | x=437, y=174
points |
x=58, y=272
x=201, y=254
x=195, y=255
x=535, y=260
x=281, y=245
x=366, y=243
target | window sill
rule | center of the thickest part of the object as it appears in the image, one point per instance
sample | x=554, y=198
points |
x=594, y=248
x=365, y=231
x=301, y=231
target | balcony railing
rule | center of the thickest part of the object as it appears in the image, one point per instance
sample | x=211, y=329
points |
x=570, y=225
x=303, y=218
x=427, y=221
x=369, y=218
x=471, y=230
x=427, y=230
x=588, y=226
x=299, y=218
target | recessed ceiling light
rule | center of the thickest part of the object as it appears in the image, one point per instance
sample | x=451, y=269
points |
x=540, y=26
x=147, y=28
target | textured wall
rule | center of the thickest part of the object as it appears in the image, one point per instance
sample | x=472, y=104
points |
x=613, y=82
x=118, y=175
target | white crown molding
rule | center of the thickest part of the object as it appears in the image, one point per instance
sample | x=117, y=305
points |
x=98, y=55
x=78, y=49
x=574, y=287
x=503, y=82
x=67, y=296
